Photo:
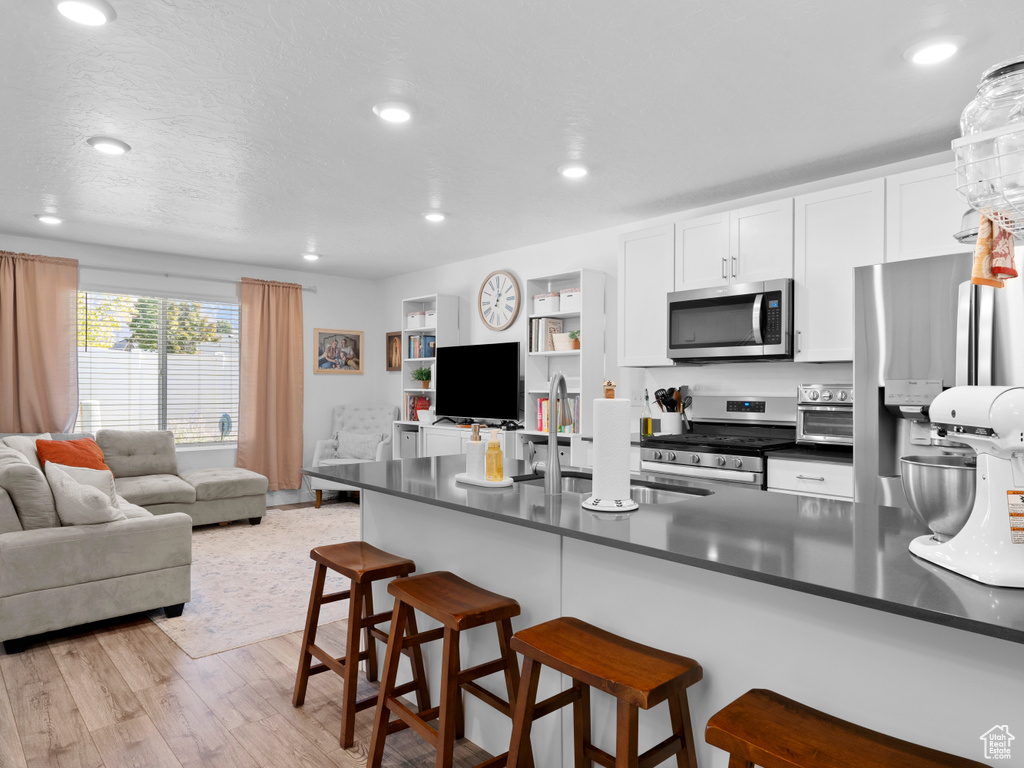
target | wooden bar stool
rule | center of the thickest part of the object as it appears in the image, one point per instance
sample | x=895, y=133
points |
x=458, y=606
x=362, y=564
x=638, y=676
x=763, y=728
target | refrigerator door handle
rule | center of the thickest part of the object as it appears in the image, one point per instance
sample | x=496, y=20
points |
x=965, y=369
x=984, y=318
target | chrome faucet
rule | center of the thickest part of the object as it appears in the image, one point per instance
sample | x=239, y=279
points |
x=557, y=417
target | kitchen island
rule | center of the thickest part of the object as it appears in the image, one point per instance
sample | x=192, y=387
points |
x=817, y=599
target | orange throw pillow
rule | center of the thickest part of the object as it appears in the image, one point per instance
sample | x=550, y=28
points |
x=73, y=453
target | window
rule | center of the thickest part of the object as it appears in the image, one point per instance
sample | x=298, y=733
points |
x=147, y=362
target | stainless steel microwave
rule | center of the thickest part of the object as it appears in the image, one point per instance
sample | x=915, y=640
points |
x=752, y=321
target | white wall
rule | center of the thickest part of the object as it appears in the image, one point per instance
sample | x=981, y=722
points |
x=339, y=303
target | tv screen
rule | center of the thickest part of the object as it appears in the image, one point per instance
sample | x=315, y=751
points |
x=478, y=381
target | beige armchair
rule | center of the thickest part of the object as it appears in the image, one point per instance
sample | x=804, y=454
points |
x=354, y=428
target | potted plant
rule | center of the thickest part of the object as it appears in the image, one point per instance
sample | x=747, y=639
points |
x=422, y=375
x=575, y=336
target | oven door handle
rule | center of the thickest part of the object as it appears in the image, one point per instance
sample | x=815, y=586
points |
x=756, y=319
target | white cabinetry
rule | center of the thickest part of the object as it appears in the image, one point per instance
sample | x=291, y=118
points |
x=442, y=326
x=923, y=212
x=832, y=480
x=583, y=368
x=445, y=440
x=836, y=230
x=645, y=278
x=743, y=246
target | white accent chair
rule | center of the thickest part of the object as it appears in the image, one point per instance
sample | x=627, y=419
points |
x=356, y=420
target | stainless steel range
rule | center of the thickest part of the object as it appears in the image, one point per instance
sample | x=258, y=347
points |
x=728, y=442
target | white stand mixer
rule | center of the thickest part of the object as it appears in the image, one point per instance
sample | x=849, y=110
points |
x=990, y=546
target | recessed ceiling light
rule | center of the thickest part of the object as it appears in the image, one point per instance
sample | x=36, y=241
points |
x=933, y=51
x=573, y=171
x=107, y=145
x=311, y=256
x=393, y=112
x=47, y=218
x=93, y=13
x=434, y=216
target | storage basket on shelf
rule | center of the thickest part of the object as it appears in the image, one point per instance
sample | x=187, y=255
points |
x=545, y=302
x=569, y=300
x=414, y=320
x=429, y=318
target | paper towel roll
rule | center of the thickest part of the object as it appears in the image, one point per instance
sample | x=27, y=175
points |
x=611, y=449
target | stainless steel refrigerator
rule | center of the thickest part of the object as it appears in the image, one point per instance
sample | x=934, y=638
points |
x=921, y=327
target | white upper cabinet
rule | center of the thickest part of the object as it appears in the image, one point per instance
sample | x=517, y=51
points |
x=836, y=230
x=923, y=212
x=645, y=278
x=702, y=252
x=761, y=242
x=742, y=246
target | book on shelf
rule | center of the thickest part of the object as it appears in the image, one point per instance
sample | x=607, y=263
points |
x=415, y=403
x=573, y=404
x=422, y=345
x=542, y=329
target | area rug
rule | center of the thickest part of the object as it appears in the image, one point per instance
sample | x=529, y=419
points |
x=252, y=582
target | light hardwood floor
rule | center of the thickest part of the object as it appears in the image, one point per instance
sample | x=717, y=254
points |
x=121, y=694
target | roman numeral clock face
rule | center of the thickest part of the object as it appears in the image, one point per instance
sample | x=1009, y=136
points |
x=498, y=301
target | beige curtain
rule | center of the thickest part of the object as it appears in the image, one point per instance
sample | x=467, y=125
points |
x=38, y=343
x=270, y=382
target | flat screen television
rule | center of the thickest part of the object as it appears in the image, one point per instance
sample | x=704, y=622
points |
x=478, y=381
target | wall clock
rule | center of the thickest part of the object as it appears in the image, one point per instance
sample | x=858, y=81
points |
x=498, y=300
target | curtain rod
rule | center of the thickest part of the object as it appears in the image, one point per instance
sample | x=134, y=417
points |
x=153, y=273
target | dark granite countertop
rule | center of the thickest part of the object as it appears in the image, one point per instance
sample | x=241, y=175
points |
x=855, y=553
x=811, y=453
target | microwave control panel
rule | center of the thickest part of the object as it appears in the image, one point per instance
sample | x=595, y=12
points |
x=773, y=318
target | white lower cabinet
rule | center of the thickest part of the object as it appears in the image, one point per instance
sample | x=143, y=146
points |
x=836, y=230
x=443, y=440
x=811, y=478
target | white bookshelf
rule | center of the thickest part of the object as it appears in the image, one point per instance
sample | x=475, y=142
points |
x=445, y=330
x=583, y=368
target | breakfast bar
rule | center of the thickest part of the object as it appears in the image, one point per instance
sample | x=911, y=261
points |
x=817, y=599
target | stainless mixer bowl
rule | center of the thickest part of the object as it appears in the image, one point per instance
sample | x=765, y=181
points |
x=940, y=490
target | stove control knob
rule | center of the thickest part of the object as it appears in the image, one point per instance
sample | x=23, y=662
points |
x=720, y=460
x=842, y=396
x=670, y=456
x=826, y=395
x=737, y=463
x=657, y=455
x=812, y=395
x=694, y=458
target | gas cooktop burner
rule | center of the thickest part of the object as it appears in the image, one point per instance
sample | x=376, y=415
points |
x=747, y=440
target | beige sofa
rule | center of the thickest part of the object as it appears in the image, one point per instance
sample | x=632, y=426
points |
x=52, y=577
x=145, y=468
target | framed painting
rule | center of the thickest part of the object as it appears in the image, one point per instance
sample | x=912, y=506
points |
x=338, y=351
x=393, y=351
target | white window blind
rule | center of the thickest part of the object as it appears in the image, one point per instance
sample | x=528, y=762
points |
x=147, y=362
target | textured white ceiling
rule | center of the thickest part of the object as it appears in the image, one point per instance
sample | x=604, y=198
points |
x=253, y=137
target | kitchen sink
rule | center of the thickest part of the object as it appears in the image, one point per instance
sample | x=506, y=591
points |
x=569, y=484
x=642, y=491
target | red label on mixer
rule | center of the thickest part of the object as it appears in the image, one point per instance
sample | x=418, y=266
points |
x=1015, y=506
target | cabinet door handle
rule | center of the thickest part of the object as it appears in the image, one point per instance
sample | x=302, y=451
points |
x=725, y=268
x=798, y=340
x=810, y=477
x=734, y=266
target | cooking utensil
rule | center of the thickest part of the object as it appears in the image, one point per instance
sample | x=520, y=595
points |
x=940, y=490
x=659, y=396
x=678, y=397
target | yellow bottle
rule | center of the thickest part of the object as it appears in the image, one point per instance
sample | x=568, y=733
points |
x=492, y=459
